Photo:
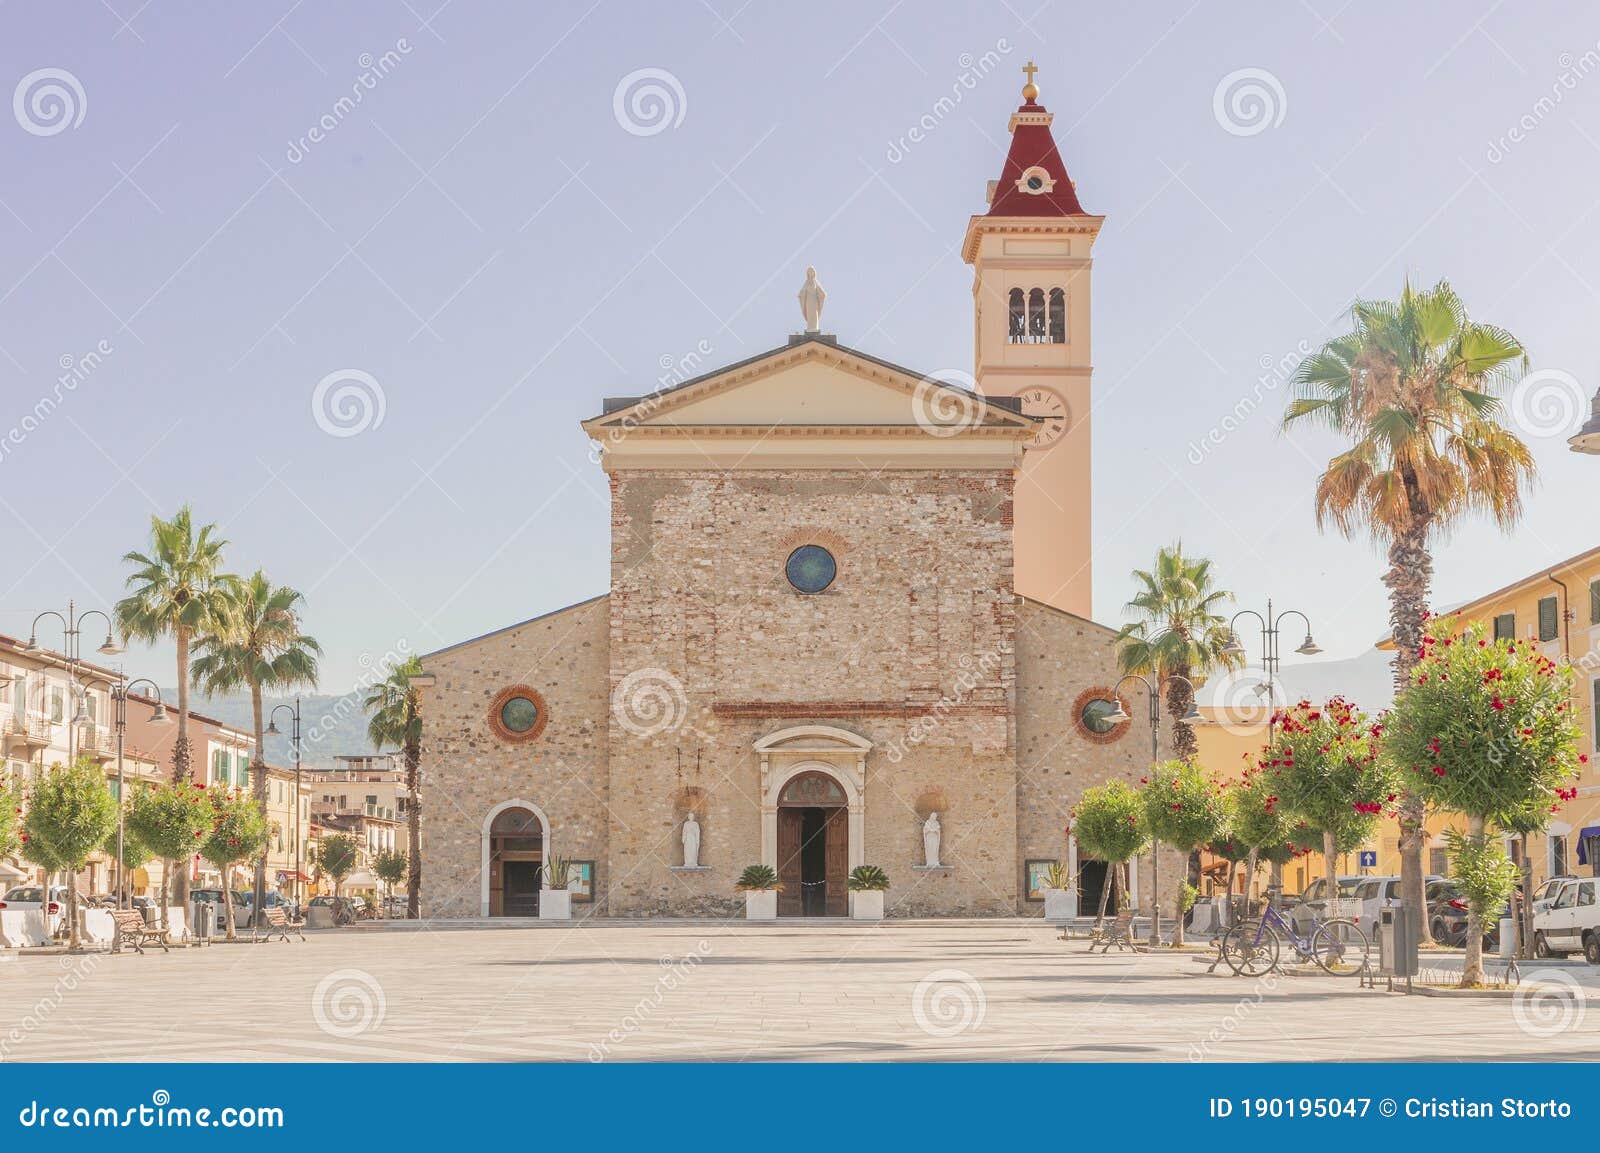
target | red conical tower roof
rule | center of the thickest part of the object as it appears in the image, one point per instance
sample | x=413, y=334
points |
x=1034, y=181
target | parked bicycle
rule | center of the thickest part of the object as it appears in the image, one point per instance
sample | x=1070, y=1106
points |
x=1336, y=945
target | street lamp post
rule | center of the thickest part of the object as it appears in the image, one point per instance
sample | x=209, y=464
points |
x=158, y=716
x=1271, y=657
x=1587, y=438
x=71, y=648
x=1152, y=688
x=294, y=741
x=1271, y=661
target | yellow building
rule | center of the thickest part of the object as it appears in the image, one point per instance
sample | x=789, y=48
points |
x=1558, y=608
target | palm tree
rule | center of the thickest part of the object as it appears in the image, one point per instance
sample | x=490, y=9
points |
x=396, y=722
x=256, y=642
x=1179, y=633
x=1413, y=386
x=176, y=589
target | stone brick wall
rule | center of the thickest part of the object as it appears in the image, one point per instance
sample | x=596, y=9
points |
x=468, y=770
x=913, y=637
x=1059, y=656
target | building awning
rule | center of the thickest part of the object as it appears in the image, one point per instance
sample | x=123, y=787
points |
x=361, y=880
x=1585, y=835
x=7, y=869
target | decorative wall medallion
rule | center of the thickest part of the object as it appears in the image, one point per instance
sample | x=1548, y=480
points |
x=518, y=713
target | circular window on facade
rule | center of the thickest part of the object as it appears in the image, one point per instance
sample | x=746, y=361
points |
x=1091, y=715
x=518, y=713
x=810, y=568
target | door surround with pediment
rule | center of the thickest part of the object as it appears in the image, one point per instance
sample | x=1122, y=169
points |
x=837, y=753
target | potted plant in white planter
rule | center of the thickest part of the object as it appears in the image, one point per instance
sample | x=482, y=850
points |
x=555, y=902
x=760, y=886
x=868, y=883
x=1060, y=897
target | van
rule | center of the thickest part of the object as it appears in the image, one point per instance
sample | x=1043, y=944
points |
x=1571, y=923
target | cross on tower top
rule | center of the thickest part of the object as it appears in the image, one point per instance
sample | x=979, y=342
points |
x=1030, y=90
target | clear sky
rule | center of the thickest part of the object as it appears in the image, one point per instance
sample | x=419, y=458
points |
x=496, y=247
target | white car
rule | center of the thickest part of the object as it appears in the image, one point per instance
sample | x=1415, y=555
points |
x=1375, y=894
x=1571, y=923
x=29, y=897
x=1315, y=899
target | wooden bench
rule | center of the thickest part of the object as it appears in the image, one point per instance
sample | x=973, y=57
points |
x=131, y=929
x=279, y=925
x=1119, y=933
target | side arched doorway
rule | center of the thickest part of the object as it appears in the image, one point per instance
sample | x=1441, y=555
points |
x=813, y=846
x=515, y=842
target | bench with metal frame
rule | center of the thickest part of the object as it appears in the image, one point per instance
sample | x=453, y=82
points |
x=278, y=925
x=131, y=929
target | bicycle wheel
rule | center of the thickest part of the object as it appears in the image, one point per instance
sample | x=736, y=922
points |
x=1248, y=954
x=1341, y=948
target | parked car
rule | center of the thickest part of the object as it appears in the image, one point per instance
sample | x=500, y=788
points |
x=1315, y=898
x=1447, y=917
x=28, y=897
x=345, y=909
x=1545, y=895
x=1375, y=894
x=1571, y=923
x=242, y=908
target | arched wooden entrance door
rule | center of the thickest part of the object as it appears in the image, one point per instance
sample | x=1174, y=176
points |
x=516, y=856
x=813, y=847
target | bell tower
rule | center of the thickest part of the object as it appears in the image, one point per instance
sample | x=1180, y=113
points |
x=1030, y=255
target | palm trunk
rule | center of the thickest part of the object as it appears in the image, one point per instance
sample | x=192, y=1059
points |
x=413, y=750
x=1409, y=578
x=1179, y=698
x=181, y=768
x=258, y=782
x=1472, y=964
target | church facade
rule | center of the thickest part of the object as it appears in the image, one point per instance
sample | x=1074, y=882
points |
x=847, y=624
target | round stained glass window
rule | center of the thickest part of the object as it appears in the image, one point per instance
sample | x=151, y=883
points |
x=811, y=568
x=519, y=714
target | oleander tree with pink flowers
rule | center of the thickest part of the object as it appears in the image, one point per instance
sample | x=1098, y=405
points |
x=1485, y=728
x=1325, y=769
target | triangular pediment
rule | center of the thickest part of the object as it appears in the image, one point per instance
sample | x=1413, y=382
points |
x=816, y=384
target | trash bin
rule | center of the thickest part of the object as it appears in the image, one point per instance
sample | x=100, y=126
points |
x=149, y=914
x=1508, y=935
x=1397, y=941
x=205, y=919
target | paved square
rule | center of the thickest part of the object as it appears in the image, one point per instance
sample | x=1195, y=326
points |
x=1002, y=991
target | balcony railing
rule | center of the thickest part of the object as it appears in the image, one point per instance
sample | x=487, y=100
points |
x=28, y=730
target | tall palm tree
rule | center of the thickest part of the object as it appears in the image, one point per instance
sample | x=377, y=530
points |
x=176, y=590
x=256, y=643
x=1413, y=386
x=1179, y=632
x=395, y=721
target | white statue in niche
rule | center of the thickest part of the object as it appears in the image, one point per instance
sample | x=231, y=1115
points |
x=930, y=841
x=691, y=842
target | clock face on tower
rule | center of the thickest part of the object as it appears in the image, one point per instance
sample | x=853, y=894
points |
x=1044, y=401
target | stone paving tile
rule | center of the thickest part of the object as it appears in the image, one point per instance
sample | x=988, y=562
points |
x=734, y=992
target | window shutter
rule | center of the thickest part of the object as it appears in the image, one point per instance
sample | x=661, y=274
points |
x=1549, y=619
x=1505, y=627
x=1594, y=602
